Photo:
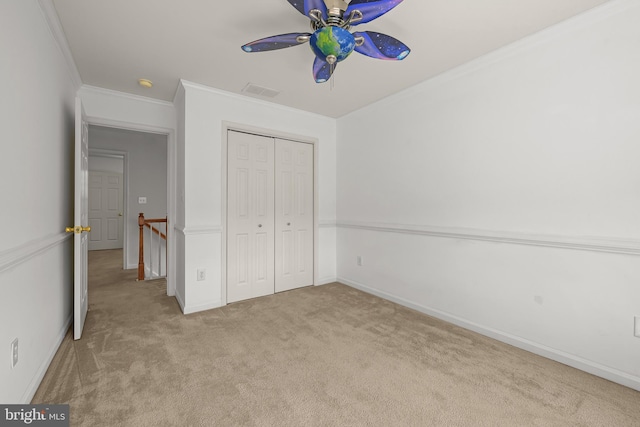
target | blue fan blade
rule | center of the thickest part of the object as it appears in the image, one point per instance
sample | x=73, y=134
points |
x=274, y=42
x=304, y=6
x=322, y=70
x=371, y=9
x=381, y=46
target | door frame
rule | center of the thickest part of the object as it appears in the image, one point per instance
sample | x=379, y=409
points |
x=115, y=154
x=270, y=133
x=172, y=154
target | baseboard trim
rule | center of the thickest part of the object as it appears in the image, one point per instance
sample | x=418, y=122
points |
x=201, y=307
x=180, y=301
x=592, y=244
x=326, y=281
x=37, y=379
x=588, y=366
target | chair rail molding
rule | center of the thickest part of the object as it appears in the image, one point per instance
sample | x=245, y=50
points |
x=327, y=223
x=582, y=243
x=15, y=256
x=198, y=229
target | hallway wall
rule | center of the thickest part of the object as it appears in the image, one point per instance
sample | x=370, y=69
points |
x=36, y=278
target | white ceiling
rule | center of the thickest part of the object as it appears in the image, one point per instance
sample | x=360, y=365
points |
x=115, y=42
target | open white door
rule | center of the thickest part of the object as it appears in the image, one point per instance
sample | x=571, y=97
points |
x=81, y=221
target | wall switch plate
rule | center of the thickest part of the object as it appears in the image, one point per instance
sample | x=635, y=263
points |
x=636, y=326
x=142, y=200
x=14, y=353
x=359, y=260
x=202, y=274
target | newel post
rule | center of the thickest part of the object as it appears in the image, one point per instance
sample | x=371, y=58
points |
x=141, y=247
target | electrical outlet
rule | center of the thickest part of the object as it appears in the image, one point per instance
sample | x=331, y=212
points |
x=636, y=326
x=142, y=200
x=359, y=260
x=202, y=274
x=14, y=353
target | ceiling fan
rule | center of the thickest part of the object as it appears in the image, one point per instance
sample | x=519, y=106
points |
x=331, y=40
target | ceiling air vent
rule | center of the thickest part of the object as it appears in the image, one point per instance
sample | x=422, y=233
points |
x=260, y=91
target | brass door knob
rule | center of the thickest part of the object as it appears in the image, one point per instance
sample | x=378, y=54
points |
x=77, y=229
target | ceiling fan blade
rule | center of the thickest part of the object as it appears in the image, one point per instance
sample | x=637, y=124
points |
x=276, y=42
x=322, y=70
x=371, y=9
x=381, y=46
x=304, y=6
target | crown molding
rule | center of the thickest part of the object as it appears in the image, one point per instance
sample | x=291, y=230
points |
x=55, y=27
x=546, y=35
x=272, y=105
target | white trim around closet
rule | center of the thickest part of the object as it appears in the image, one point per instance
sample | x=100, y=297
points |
x=231, y=126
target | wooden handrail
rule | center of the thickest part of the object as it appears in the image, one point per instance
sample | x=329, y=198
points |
x=148, y=222
x=155, y=230
x=142, y=222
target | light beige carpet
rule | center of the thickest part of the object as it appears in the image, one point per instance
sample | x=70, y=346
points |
x=319, y=356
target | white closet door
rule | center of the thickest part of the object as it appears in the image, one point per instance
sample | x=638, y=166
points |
x=250, y=216
x=294, y=215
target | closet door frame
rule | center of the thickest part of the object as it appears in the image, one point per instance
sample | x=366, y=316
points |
x=238, y=127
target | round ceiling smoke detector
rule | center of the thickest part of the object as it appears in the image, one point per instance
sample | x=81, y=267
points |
x=145, y=83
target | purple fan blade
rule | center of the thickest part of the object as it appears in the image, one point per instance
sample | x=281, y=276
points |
x=322, y=70
x=274, y=42
x=304, y=6
x=381, y=46
x=371, y=9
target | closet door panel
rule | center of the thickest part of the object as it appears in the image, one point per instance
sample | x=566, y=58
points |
x=294, y=215
x=250, y=216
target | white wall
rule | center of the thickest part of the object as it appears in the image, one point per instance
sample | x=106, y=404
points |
x=179, y=103
x=146, y=176
x=108, y=107
x=36, y=185
x=503, y=195
x=205, y=112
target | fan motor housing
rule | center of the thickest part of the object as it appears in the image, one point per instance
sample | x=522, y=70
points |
x=332, y=42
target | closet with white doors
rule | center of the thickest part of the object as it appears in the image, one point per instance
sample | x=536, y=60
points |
x=270, y=207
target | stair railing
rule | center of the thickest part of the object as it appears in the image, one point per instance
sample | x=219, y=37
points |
x=157, y=231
